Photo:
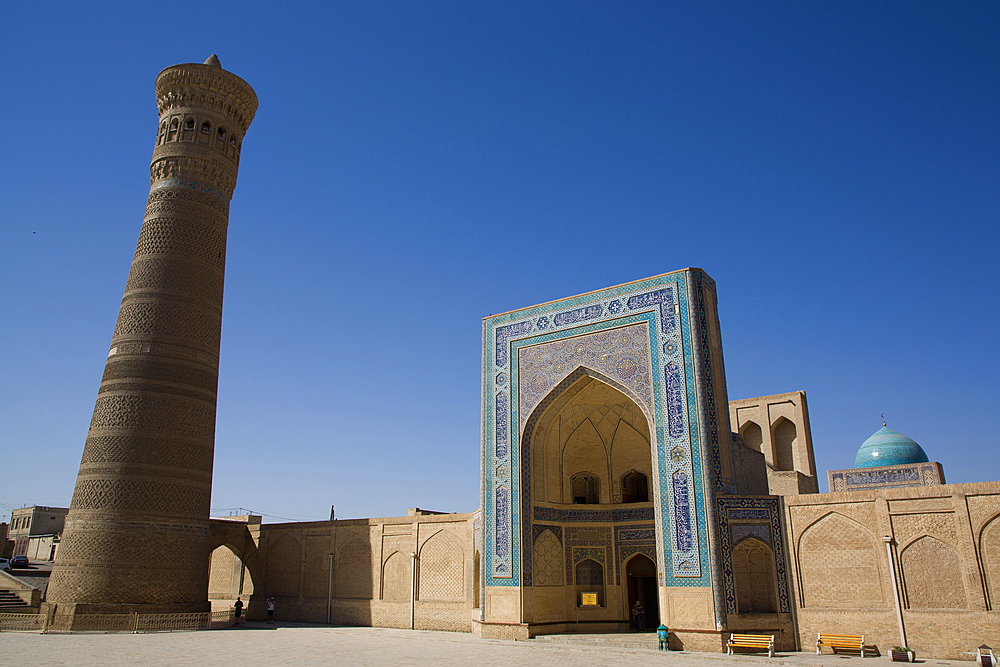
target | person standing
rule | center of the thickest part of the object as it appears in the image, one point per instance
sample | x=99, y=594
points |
x=637, y=616
x=238, y=610
x=270, y=610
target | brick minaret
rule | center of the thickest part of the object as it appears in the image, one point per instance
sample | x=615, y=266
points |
x=136, y=536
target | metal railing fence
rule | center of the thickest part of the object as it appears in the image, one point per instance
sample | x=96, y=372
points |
x=107, y=623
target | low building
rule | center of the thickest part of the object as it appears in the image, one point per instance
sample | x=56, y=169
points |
x=35, y=531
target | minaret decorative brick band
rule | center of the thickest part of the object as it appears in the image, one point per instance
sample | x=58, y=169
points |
x=136, y=537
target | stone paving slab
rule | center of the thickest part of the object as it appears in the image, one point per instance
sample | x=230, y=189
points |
x=263, y=645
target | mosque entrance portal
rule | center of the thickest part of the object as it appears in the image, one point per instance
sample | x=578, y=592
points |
x=641, y=575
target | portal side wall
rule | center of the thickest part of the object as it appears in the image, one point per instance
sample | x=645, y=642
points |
x=370, y=580
x=946, y=549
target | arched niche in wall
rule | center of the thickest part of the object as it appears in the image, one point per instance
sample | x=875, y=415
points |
x=932, y=575
x=228, y=577
x=396, y=577
x=441, y=568
x=838, y=564
x=589, y=578
x=752, y=436
x=784, y=438
x=586, y=426
x=989, y=554
x=753, y=577
x=353, y=570
x=635, y=487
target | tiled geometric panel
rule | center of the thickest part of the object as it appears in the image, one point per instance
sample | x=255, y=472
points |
x=614, y=515
x=631, y=540
x=597, y=539
x=741, y=531
x=621, y=354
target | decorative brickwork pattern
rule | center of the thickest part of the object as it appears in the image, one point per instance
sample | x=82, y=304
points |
x=172, y=416
x=838, y=564
x=186, y=278
x=139, y=495
x=548, y=554
x=909, y=527
x=204, y=243
x=284, y=560
x=932, y=575
x=396, y=577
x=179, y=321
x=441, y=568
x=354, y=570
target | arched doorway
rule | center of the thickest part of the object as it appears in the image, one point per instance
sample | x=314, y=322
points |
x=640, y=572
x=228, y=576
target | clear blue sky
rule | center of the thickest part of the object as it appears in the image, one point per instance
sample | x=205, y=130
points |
x=415, y=166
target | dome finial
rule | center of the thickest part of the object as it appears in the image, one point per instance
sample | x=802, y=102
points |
x=883, y=420
x=213, y=60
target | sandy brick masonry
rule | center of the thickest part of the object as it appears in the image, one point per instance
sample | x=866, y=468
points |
x=944, y=544
x=137, y=534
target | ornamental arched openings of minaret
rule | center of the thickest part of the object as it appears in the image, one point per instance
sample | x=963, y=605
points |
x=136, y=537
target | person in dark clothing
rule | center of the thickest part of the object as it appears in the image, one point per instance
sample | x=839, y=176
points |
x=638, y=617
x=238, y=610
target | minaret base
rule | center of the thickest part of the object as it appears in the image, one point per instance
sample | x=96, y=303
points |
x=84, y=617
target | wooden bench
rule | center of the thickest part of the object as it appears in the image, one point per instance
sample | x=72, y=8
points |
x=852, y=642
x=754, y=642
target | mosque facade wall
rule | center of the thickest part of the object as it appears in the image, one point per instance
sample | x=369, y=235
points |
x=945, y=550
x=370, y=576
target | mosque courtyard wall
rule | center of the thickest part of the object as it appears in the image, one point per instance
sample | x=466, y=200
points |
x=371, y=569
x=944, y=542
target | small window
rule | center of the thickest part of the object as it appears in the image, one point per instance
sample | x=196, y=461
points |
x=221, y=133
x=188, y=134
x=206, y=128
x=586, y=489
x=635, y=488
x=172, y=134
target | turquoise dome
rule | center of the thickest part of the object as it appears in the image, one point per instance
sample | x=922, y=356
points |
x=888, y=448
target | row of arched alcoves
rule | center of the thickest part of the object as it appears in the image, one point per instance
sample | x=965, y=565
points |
x=293, y=571
x=842, y=563
x=783, y=440
x=199, y=131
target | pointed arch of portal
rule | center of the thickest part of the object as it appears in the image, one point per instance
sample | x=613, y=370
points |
x=577, y=381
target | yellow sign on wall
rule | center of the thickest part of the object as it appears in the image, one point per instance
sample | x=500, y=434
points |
x=589, y=600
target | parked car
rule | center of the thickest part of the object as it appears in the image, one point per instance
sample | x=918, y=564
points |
x=4, y=565
x=20, y=562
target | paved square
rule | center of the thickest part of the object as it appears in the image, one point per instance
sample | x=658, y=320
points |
x=262, y=645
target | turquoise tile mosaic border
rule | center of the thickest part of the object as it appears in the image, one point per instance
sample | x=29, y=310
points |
x=681, y=523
